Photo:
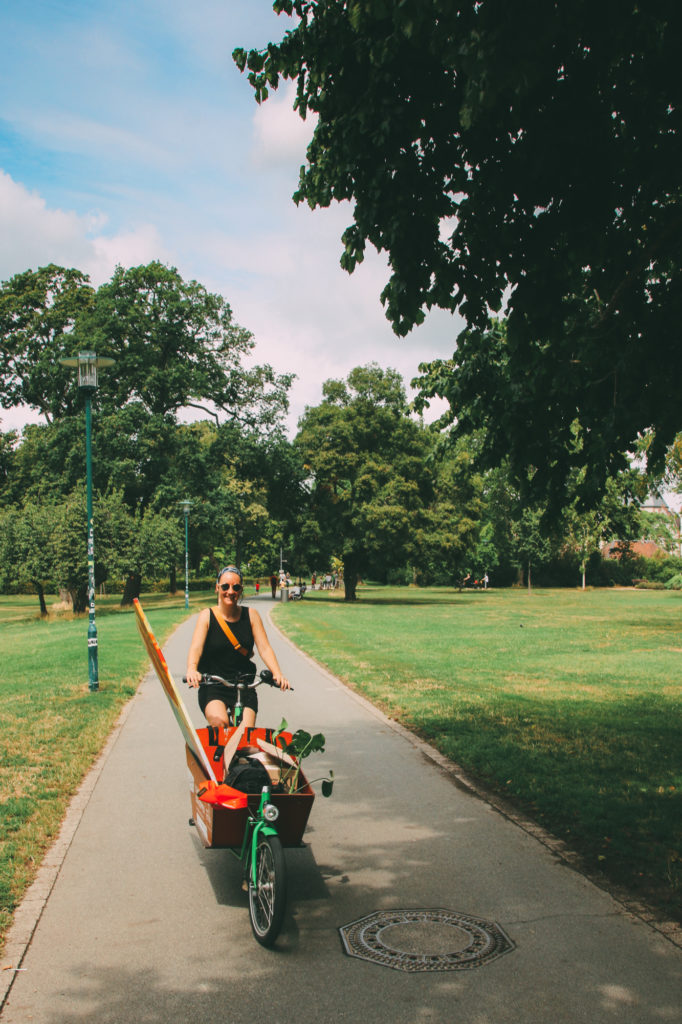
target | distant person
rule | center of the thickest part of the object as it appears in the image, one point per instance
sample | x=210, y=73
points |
x=273, y=585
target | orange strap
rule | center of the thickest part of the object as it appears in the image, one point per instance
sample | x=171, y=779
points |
x=230, y=635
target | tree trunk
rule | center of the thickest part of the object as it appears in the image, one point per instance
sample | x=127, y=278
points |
x=41, y=599
x=529, y=586
x=351, y=574
x=131, y=589
x=79, y=598
x=173, y=580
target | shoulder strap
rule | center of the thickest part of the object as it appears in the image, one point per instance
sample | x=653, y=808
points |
x=230, y=635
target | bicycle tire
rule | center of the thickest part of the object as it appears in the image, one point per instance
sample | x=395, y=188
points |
x=268, y=896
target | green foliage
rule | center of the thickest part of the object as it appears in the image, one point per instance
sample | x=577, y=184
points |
x=300, y=746
x=369, y=484
x=39, y=315
x=518, y=158
x=174, y=345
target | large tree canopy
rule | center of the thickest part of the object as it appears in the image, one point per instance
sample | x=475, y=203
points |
x=368, y=478
x=511, y=155
x=174, y=343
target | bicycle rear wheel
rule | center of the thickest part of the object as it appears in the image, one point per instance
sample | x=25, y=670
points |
x=268, y=897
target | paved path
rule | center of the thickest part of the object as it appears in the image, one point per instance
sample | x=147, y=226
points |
x=144, y=925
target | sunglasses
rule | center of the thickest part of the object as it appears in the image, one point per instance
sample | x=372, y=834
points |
x=237, y=587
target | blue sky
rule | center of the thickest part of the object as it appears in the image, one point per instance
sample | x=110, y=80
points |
x=127, y=134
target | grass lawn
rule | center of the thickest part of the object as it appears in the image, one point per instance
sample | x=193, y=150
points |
x=567, y=703
x=51, y=727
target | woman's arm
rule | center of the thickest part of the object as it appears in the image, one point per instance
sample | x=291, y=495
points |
x=196, y=647
x=265, y=650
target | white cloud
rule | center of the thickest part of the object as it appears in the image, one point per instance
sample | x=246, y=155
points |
x=307, y=315
x=33, y=235
x=281, y=136
x=129, y=249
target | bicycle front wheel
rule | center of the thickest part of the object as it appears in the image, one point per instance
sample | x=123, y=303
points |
x=268, y=896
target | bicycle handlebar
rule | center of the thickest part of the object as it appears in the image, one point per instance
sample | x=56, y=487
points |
x=244, y=682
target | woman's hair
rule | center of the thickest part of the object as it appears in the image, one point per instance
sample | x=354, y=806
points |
x=230, y=568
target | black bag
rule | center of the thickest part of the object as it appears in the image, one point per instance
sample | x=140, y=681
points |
x=248, y=775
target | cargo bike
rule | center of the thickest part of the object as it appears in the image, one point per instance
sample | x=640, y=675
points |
x=255, y=827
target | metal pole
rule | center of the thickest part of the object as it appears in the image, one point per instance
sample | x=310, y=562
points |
x=186, y=558
x=93, y=672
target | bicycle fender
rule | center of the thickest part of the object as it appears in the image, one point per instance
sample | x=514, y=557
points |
x=262, y=827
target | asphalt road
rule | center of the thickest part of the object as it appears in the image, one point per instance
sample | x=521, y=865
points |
x=144, y=926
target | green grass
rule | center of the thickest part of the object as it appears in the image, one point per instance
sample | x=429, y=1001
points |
x=51, y=727
x=567, y=703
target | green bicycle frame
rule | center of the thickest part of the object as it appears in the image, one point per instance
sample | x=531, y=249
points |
x=255, y=826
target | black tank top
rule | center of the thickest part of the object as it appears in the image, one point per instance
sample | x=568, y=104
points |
x=219, y=657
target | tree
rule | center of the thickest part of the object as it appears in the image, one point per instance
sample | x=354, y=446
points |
x=155, y=544
x=365, y=460
x=112, y=529
x=532, y=544
x=8, y=443
x=616, y=515
x=177, y=345
x=33, y=559
x=447, y=537
x=517, y=156
x=174, y=344
x=39, y=311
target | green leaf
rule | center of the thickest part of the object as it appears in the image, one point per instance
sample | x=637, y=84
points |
x=327, y=786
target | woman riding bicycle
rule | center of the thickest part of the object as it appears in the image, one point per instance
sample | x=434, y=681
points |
x=222, y=645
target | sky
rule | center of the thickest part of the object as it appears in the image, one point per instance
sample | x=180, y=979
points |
x=127, y=134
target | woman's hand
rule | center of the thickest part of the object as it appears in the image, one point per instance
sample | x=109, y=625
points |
x=281, y=681
x=193, y=677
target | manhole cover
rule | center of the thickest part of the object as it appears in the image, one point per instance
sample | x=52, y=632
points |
x=425, y=940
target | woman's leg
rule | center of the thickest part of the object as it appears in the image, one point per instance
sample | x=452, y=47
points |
x=249, y=717
x=216, y=715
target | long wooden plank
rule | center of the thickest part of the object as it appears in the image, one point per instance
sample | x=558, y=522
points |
x=232, y=744
x=170, y=689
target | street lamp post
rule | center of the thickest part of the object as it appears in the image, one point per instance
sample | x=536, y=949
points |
x=186, y=505
x=88, y=364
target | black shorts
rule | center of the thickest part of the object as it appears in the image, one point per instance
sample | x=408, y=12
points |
x=216, y=691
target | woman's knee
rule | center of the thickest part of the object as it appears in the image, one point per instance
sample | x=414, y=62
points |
x=216, y=714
